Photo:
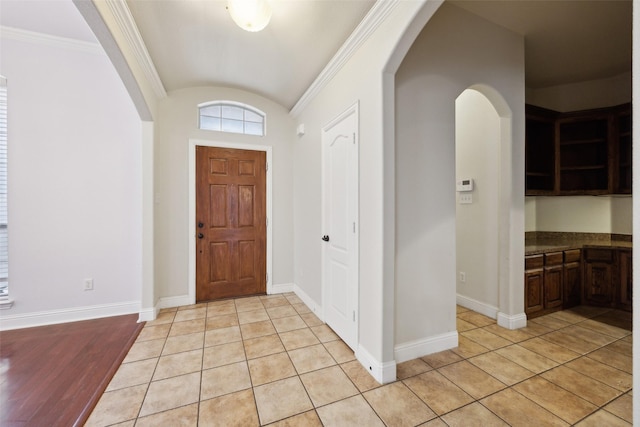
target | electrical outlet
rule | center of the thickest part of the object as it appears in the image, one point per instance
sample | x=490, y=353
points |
x=88, y=284
x=463, y=277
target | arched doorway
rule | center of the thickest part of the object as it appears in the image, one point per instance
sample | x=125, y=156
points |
x=477, y=139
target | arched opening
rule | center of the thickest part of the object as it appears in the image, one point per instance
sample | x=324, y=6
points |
x=477, y=147
x=478, y=140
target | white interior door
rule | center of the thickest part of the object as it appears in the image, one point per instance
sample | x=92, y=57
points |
x=340, y=213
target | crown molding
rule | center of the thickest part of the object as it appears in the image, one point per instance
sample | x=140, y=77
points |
x=372, y=20
x=129, y=29
x=49, y=40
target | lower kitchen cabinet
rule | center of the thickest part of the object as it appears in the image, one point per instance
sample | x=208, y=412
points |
x=533, y=284
x=572, y=276
x=598, y=275
x=553, y=280
x=544, y=283
x=608, y=278
x=625, y=269
x=593, y=276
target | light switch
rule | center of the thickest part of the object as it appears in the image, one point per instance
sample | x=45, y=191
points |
x=466, y=198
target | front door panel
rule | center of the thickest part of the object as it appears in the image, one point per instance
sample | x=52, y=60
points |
x=230, y=223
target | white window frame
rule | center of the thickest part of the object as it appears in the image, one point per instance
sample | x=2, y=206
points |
x=245, y=108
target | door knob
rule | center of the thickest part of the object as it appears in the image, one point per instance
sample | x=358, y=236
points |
x=200, y=235
x=200, y=225
x=325, y=238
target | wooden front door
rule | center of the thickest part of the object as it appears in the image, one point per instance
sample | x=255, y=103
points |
x=230, y=223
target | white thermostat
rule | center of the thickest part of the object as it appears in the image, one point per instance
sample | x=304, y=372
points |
x=465, y=184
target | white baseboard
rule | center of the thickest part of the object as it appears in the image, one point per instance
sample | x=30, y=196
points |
x=170, y=302
x=514, y=321
x=281, y=288
x=477, y=306
x=317, y=309
x=418, y=348
x=384, y=373
x=148, y=314
x=75, y=314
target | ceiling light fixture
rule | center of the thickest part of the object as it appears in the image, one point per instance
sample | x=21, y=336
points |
x=250, y=15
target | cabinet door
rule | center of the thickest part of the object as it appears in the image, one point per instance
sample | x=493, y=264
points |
x=584, y=154
x=540, y=151
x=534, y=291
x=623, y=152
x=572, y=284
x=598, y=286
x=626, y=280
x=553, y=286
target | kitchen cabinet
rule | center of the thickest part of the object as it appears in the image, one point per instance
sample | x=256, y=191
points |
x=563, y=279
x=598, y=274
x=544, y=283
x=572, y=276
x=625, y=279
x=533, y=284
x=608, y=278
x=540, y=150
x=583, y=152
x=623, y=157
x=553, y=280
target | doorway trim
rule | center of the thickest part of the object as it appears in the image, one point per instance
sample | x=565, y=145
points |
x=193, y=143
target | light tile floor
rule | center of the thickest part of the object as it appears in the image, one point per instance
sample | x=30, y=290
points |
x=269, y=360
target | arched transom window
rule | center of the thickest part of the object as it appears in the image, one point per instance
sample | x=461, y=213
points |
x=228, y=116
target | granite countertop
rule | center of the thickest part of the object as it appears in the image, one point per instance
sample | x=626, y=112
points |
x=566, y=241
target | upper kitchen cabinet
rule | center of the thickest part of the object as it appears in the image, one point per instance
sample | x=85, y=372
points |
x=584, y=152
x=540, y=150
x=623, y=159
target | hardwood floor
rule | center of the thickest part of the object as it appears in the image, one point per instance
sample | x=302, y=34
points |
x=54, y=375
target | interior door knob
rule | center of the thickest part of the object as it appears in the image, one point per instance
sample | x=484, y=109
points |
x=325, y=238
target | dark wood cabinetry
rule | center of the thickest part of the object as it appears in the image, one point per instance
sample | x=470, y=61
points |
x=563, y=279
x=598, y=274
x=623, y=157
x=625, y=269
x=585, y=152
x=553, y=272
x=533, y=284
x=572, y=275
x=552, y=282
x=608, y=278
x=540, y=150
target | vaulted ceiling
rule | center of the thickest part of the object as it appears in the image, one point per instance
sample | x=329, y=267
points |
x=195, y=43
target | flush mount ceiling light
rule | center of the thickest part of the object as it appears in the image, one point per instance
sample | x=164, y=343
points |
x=250, y=15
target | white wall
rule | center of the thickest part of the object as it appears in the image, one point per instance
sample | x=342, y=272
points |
x=477, y=142
x=455, y=51
x=583, y=214
x=176, y=123
x=586, y=214
x=622, y=215
x=74, y=183
x=530, y=214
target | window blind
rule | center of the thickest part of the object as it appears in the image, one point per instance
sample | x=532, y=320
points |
x=4, y=220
